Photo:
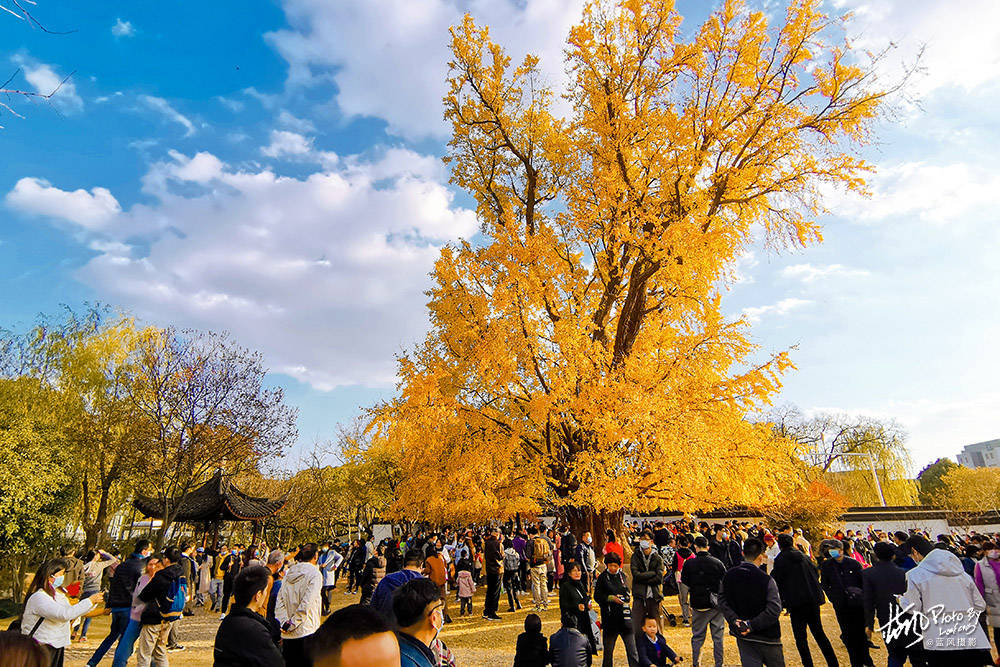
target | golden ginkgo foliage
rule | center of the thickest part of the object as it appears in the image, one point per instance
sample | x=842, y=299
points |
x=578, y=356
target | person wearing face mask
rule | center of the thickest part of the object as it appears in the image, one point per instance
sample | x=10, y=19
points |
x=419, y=610
x=844, y=586
x=244, y=637
x=647, y=581
x=47, y=611
x=329, y=561
x=725, y=549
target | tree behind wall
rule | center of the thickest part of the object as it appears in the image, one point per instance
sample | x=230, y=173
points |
x=931, y=480
x=579, y=358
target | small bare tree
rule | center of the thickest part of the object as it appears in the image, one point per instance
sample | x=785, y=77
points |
x=207, y=408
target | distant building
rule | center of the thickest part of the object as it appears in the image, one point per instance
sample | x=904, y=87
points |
x=981, y=455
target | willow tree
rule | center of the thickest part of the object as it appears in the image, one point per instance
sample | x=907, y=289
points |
x=578, y=356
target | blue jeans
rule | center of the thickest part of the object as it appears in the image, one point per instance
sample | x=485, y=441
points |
x=85, y=623
x=119, y=621
x=127, y=643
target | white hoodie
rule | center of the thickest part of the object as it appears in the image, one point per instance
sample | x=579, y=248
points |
x=940, y=589
x=299, y=600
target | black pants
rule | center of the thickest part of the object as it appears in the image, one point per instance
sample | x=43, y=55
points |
x=294, y=652
x=610, y=635
x=492, y=594
x=227, y=591
x=851, y=619
x=757, y=654
x=808, y=617
x=512, y=583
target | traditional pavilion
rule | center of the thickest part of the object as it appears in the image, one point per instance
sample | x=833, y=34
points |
x=213, y=502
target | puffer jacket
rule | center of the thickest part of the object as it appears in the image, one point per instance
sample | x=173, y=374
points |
x=123, y=583
x=940, y=579
x=299, y=600
x=988, y=584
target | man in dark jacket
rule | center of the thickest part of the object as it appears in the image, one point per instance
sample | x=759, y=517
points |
x=841, y=577
x=493, y=554
x=569, y=647
x=725, y=549
x=160, y=593
x=244, y=636
x=120, y=596
x=881, y=583
x=801, y=595
x=751, y=603
x=611, y=594
x=703, y=576
x=647, y=581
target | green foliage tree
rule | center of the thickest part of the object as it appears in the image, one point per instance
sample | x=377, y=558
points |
x=931, y=480
x=37, y=493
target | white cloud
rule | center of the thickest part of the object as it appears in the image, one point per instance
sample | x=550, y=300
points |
x=960, y=41
x=388, y=58
x=784, y=307
x=122, y=28
x=233, y=105
x=808, y=273
x=44, y=79
x=292, y=122
x=91, y=210
x=324, y=274
x=164, y=108
x=931, y=192
x=936, y=425
x=284, y=143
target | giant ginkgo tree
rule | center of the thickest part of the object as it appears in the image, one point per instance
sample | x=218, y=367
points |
x=578, y=356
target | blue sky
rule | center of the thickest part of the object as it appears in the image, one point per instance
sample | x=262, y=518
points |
x=273, y=169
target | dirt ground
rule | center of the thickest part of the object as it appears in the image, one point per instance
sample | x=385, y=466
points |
x=475, y=641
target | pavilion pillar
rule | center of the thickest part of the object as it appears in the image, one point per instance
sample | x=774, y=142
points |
x=253, y=536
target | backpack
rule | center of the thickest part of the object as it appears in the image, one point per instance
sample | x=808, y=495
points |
x=175, y=600
x=540, y=551
x=511, y=561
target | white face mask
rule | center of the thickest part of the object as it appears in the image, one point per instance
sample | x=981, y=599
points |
x=437, y=627
x=993, y=554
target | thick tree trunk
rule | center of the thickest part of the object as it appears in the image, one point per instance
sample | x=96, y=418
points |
x=587, y=520
x=94, y=530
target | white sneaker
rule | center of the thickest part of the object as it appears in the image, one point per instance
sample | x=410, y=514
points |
x=221, y=616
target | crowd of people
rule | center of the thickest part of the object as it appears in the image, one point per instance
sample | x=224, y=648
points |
x=931, y=601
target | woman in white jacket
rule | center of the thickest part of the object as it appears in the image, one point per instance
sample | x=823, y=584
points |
x=947, y=605
x=47, y=611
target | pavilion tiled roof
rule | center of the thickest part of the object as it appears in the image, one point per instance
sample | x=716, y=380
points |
x=218, y=499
